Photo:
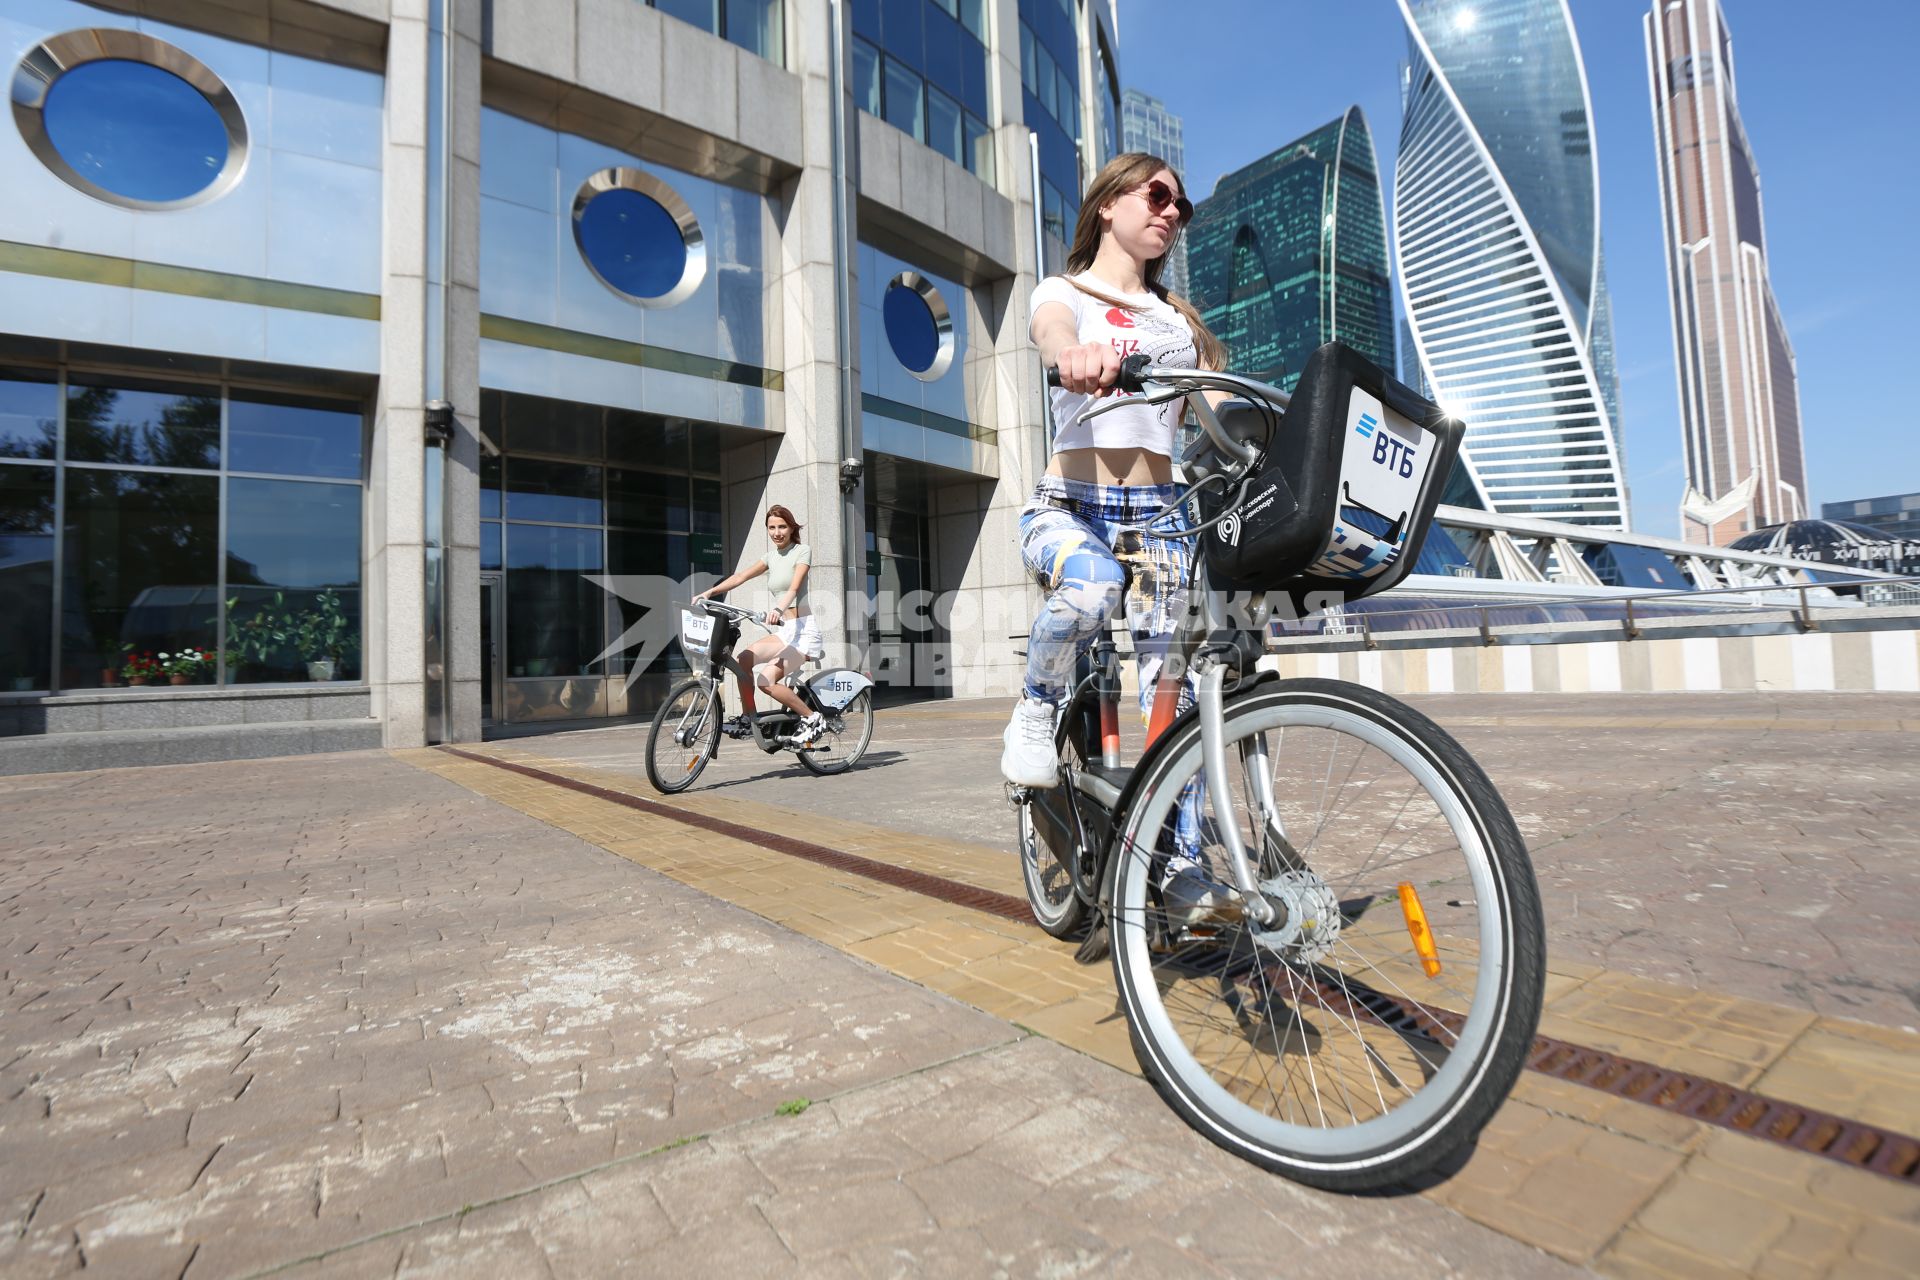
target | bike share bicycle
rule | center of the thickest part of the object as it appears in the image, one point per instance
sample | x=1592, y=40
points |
x=1356, y=999
x=687, y=729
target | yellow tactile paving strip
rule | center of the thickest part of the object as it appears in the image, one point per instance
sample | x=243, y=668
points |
x=1591, y=1178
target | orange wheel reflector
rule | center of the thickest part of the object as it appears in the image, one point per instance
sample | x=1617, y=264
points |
x=1417, y=929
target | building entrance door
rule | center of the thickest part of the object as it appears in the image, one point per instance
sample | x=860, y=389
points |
x=493, y=630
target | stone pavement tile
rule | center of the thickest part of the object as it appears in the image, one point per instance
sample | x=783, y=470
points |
x=1852, y=1069
x=349, y=995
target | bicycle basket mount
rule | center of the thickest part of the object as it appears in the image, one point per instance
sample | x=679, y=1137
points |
x=1343, y=497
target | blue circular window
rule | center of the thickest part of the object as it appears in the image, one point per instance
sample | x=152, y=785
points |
x=129, y=119
x=919, y=326
x=639, y=237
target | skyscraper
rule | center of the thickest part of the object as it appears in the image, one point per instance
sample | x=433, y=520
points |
x=1497, y=232
x=1291, y=252
x=1147, y=125
x=1739, y=391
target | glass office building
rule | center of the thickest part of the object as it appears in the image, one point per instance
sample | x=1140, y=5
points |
x=1497, y=237
x=1291, y=252
x=1146, y=125
x=1739, y=384
x=393, y=379
x=1074, y=116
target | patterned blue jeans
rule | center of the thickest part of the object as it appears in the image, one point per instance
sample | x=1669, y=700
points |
x=1081, y=542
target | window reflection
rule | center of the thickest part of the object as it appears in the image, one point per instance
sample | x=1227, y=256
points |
x=135, y=130
x=555, y=620
x=903, y=100
x=293, y=553
x=29, y=414
x=562, y=492
x=293, y=435
x=26, y=577
x=141, y=563
x=142, y=424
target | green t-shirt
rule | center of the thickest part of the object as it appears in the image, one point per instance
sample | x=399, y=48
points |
x=780, y=569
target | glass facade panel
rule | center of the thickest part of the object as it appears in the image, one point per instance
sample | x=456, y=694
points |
x=866, y=77
x=555, y=618
x=633, y=552
x=979, y=144
x=560, y=492
x=904, y=109
x=142, y=424
x=490, y=551
x=29, y=414
x=290, y=435
x=704, y=14
x=943, y=127
x=757, y=26
x=141, y=568
x=647, y=499
x=135, y=130
x=293, y=554
x=26, y=577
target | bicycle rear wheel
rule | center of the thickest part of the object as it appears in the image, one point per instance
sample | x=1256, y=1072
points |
x=1056, y=905
x=1340, y=1047
x=849, y=730
x=685, y=733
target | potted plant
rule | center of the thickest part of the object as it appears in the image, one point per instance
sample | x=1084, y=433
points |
x=141, y=667
x=323, y=636
x=184, y=666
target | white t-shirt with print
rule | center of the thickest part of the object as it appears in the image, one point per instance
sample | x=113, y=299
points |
x=1145, y=325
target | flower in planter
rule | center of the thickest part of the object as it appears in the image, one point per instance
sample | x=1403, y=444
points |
x=187, y=663
x=141, y=665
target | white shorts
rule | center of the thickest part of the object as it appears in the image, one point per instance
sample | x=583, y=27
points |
x=803, y=634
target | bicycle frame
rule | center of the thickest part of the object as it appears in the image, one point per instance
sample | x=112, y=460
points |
x=1210, y=645
x=765, y=724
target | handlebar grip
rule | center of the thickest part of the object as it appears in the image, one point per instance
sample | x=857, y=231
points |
x=1128, y=380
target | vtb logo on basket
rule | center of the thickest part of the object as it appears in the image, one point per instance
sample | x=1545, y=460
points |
x=1388, y=450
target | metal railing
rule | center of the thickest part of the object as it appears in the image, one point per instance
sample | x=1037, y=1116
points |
x=1677, y=607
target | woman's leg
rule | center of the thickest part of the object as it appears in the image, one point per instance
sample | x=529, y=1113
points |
x=1084, y=584
x=772, y=670
x=759, y=651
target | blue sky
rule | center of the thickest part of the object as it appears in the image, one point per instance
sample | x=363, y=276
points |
x=1835, y=129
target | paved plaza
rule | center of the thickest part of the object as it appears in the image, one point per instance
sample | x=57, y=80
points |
x=410, y=1013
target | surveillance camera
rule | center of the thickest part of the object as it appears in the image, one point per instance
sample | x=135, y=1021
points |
x=851, y=470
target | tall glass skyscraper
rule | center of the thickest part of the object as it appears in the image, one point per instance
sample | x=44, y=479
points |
x=1497, y=231
x=1739, y=390
x=1147, y=125
x=1291, y=252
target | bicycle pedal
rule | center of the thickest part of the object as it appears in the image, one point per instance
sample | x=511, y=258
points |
x=1097, y=945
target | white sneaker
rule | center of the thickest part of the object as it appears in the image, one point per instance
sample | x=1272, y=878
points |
x=1030, y=759
x=811, y=730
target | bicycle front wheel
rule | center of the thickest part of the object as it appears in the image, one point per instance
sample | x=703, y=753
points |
x=685, y=733
x=1375, y=1029
x=849, y=730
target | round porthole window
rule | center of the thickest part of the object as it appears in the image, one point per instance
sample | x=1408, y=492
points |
x=919, y=326
x=638, y=237
x=129, y=119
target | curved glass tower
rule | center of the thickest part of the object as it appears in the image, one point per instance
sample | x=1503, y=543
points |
x=1497, y=238
x=1291, y=252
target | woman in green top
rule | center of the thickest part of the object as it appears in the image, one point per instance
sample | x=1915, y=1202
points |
x=796, y=636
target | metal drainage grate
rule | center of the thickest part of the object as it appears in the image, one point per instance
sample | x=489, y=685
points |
x=1849, y=1142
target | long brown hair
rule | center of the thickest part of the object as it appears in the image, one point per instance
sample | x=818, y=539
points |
x=1122, y=174
x=786, y=515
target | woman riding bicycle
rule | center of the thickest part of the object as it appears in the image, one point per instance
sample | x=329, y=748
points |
x=1079, y=535
x=796, y=636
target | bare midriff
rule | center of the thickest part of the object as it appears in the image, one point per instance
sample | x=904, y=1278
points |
x=1112, y=466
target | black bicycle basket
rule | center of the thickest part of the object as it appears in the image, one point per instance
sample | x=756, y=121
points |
x=1343, y=496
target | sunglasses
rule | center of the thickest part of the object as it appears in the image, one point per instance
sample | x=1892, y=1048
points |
x=1158, y=196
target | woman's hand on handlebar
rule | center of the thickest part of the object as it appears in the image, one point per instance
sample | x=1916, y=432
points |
x=1090, y=368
